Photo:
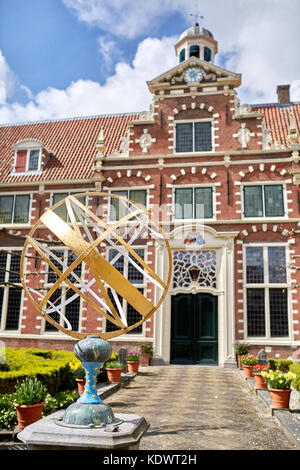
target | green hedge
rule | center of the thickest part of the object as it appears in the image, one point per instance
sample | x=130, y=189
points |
x=281, y=364
x=49, y=366
x=295, y=368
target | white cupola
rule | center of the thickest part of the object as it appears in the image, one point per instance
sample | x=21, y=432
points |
x=196, y=41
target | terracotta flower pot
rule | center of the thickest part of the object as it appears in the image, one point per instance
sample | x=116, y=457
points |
x=145, y=359
x=133, y=366
x=114, y=374
x=239, y=359
x=248, y=371
x=280, y=398
x=80, y=386
x=259, y=380
x=28, y=414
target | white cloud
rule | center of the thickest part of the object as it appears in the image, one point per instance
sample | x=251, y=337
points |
x=259, y=37
x=124, y=91
x=7, y=80
x=127, y=18
x=109, y=51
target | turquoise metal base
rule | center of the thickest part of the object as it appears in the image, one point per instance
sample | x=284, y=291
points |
x=89, y=410
x=84, y=415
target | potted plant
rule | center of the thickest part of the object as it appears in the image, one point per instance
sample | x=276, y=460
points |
x=133, y=361
x=248, y=362
x=241, y=350
x=78, y=374
x=146, y=353
x=29, y=400
x=258, y=378
x=114, y=369
x=279, y=385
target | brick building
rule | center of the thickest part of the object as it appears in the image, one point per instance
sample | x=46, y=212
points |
x=222, y=177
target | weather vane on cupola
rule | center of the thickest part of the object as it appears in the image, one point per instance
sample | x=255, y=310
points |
x=197, y=15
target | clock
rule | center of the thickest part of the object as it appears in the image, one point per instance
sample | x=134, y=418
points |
x=193, y=75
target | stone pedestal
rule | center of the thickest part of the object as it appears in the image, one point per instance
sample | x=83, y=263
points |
x=45, y=434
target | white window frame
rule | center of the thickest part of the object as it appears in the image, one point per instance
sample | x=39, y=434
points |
x=193, y=186
x=28, y=145
x=264, y=217
x=193, y=121
x=128, y=189
x=266, y=286
x=6, y=292
x=63, y=286
x=138, y=286
x=21, y=224
x=69, y=192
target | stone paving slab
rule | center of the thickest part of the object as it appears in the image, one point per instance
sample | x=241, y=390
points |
x=199, y=408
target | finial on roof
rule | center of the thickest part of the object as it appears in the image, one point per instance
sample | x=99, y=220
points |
x=293, y=136
x=100, y=146
x=197, y=14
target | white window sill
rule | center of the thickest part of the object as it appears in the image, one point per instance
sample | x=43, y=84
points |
x=25, y=173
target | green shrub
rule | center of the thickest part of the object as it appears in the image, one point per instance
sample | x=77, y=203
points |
x=51, y=368
x=295, y=368
x=282, y=364
x=8, y=413
x=59, y=401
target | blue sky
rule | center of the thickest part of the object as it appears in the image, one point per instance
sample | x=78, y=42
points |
x=64, y=58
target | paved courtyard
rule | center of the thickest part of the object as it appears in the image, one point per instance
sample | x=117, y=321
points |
x=193, y=407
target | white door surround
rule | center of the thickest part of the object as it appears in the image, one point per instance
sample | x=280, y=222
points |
x=222, y=243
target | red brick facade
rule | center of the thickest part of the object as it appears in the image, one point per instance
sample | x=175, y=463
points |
x=84, y=160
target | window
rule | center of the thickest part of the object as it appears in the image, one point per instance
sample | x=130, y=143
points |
x=133, y=275
x=10, y=290
x=194, y=203
x=207, y=54
x=195, y=51
x=14, y=209
x=118, y=210
x=61, y=210
x=266, y=291
x=264, y=201
x=71, y=310
x=193, y=137
x=27, y=160
x=182, y=55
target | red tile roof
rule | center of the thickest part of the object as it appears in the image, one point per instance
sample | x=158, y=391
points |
x=72, y=141
x=277, y=119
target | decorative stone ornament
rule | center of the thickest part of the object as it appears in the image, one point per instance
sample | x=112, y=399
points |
x=244, y=135
x=145, y=141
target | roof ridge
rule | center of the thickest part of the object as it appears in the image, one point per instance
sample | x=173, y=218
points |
x=261, y=105
x=75, y=118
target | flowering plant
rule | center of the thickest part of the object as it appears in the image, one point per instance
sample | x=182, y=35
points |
x=259, y=368
x=77, y=369
x=241, y=348
x=249, y=360
x=133, y=356
x=278, y=380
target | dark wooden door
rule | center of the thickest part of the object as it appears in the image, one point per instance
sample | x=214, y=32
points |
x=194, y=329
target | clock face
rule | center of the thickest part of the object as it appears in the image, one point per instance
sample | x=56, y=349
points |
x=193, y=75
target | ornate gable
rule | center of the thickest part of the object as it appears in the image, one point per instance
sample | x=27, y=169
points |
x=208, y=74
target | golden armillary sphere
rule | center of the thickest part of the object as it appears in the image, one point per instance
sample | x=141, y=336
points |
x=72, y=241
